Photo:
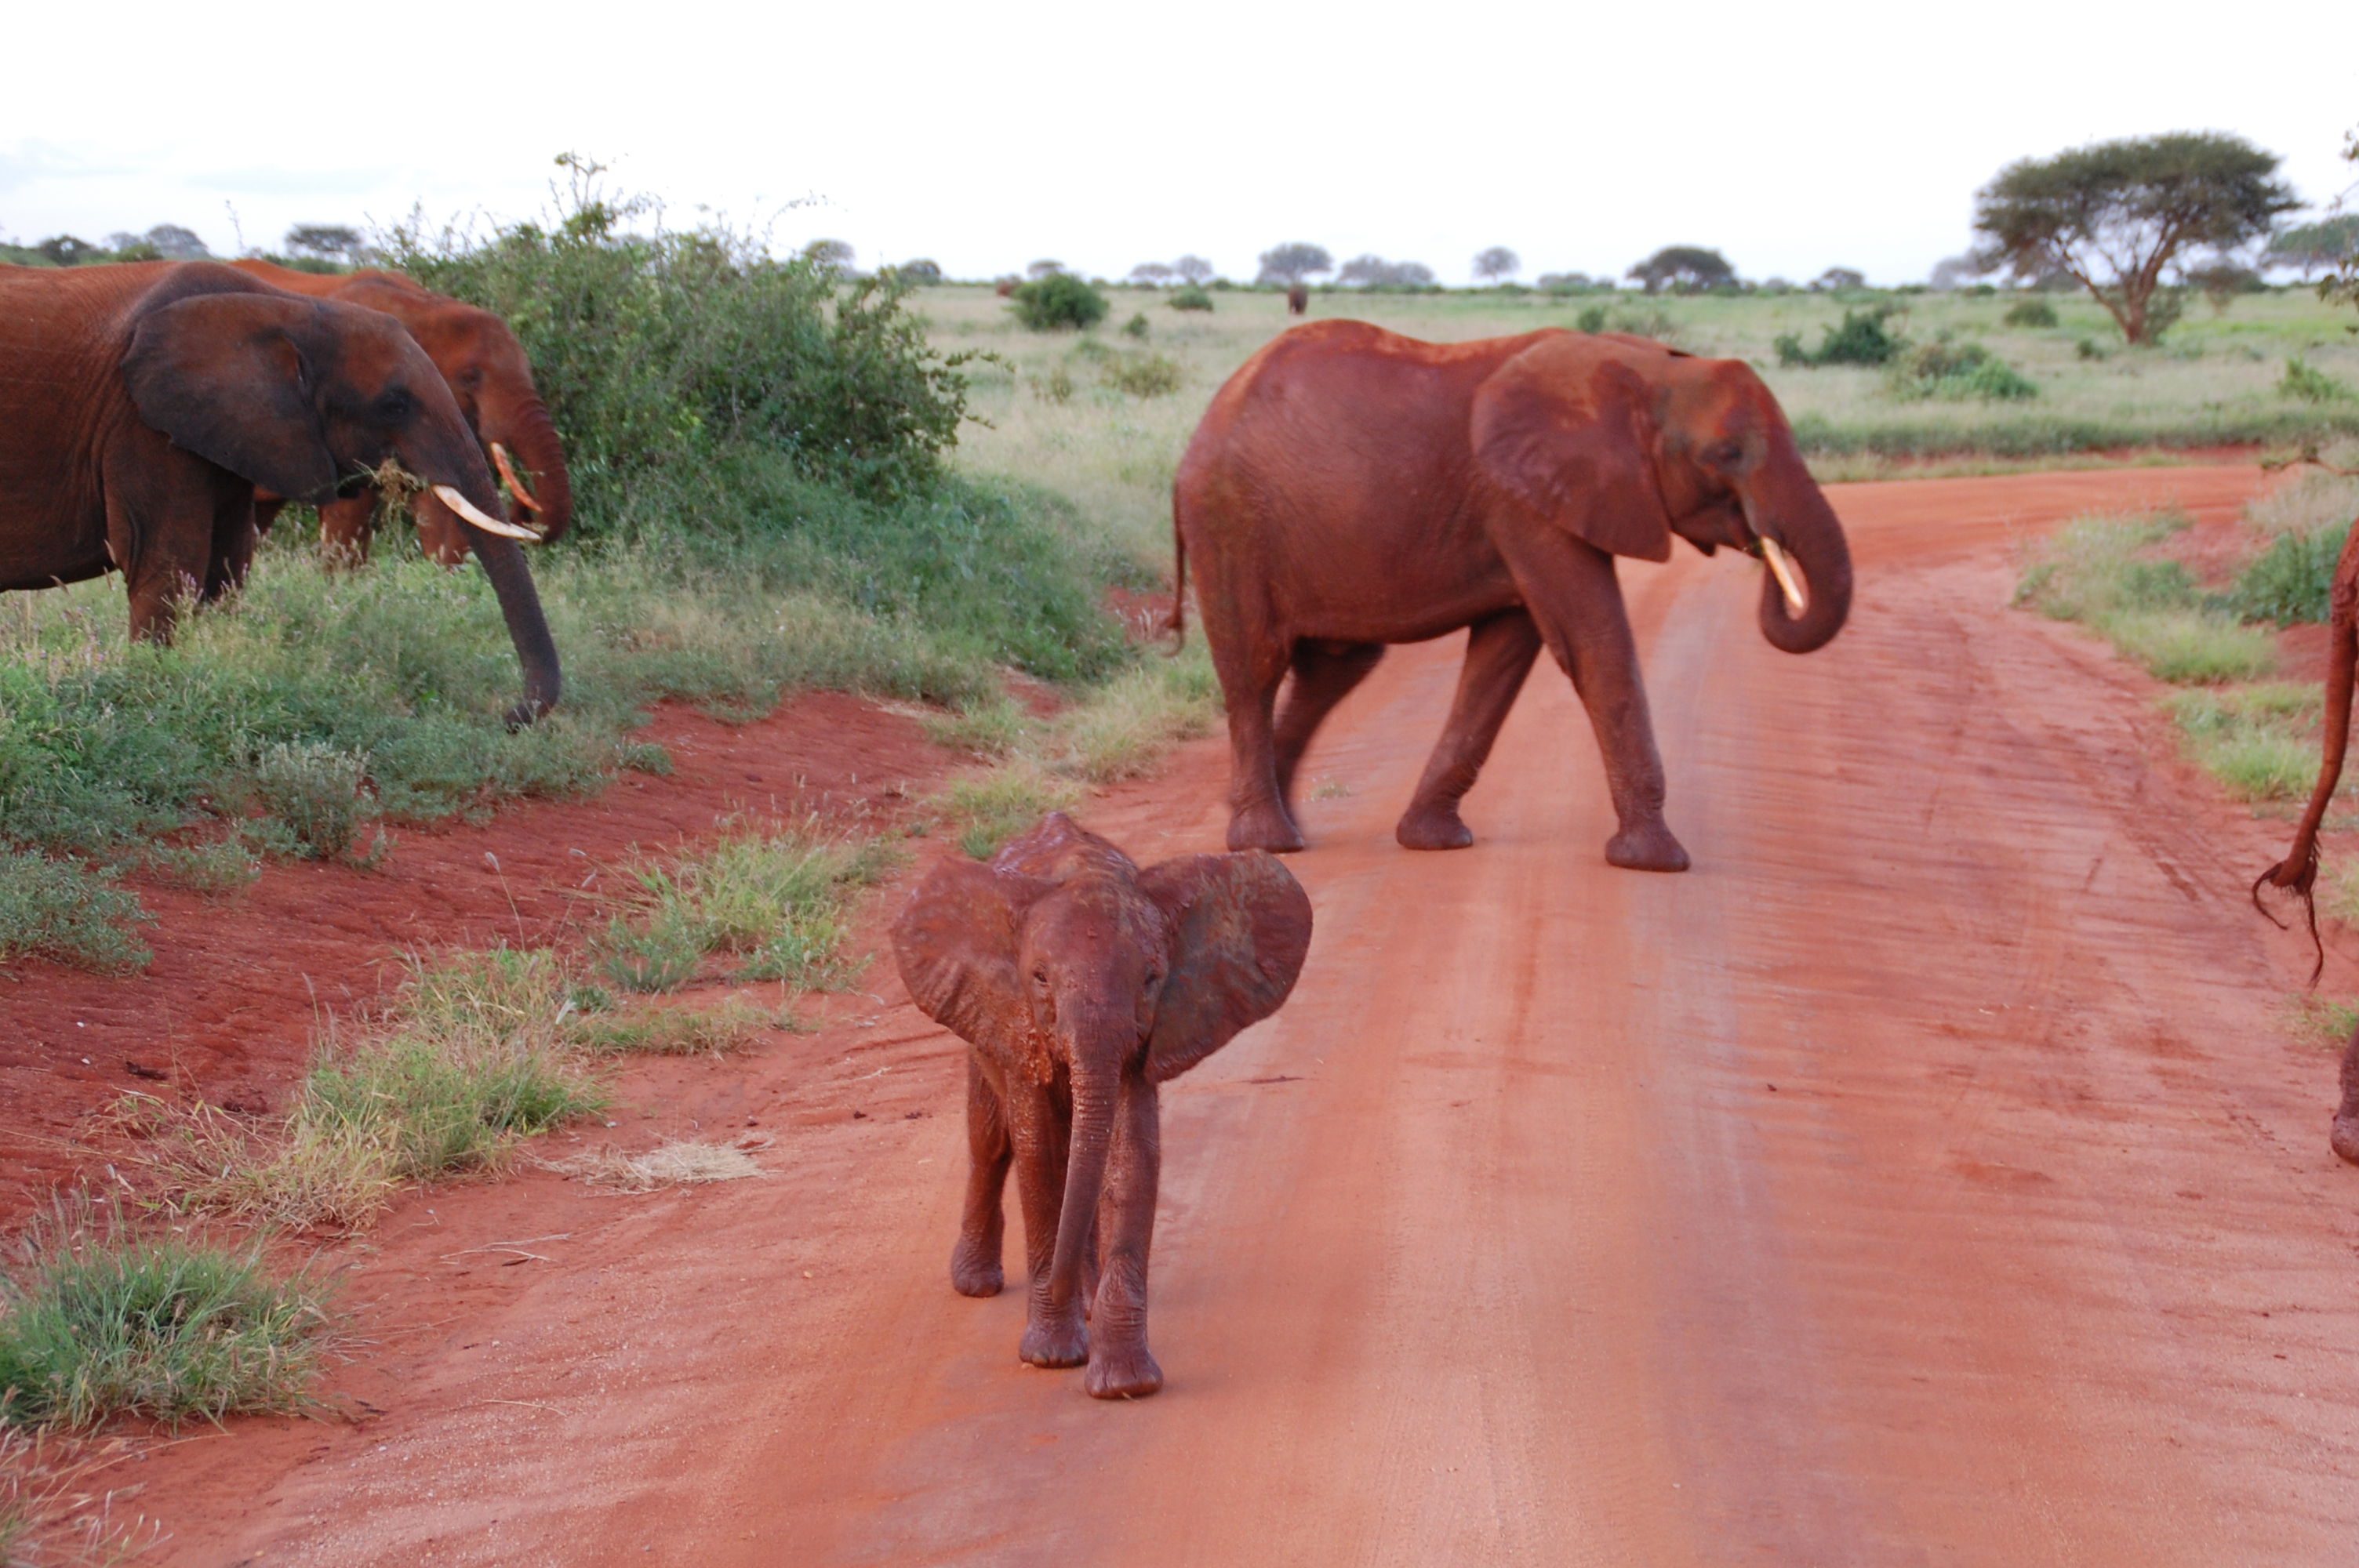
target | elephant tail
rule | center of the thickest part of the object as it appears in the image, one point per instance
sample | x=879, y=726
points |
x=1178, y=587
x=2298, y=873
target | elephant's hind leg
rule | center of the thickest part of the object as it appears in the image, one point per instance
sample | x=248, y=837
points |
x=975, y=1260
x=1500, y=651
x=1324, y=674
x=1257, y=815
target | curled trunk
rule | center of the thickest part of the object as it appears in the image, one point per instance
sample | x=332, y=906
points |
x=1797, y=516
x=531, y=440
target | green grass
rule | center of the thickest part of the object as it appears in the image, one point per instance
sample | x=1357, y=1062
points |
x=985, y=812
x=63, y=910
x=2260, y=741
x=2096, y=571
x=98, y=1322
x=778, y=902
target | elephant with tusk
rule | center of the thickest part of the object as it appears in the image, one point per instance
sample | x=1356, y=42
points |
x=1351, y=488
x=152, y=399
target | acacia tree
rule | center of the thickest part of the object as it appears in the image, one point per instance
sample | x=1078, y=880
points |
x=1194, y=269
x=327, y=242
x=1684, y=268
x=2342, y=285
x=2116, y=215
x=1151, y=273
x=1496, y=262
x=1292, y=264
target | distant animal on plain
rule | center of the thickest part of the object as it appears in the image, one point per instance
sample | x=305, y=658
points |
x=1082, y=983
x=1297, y=301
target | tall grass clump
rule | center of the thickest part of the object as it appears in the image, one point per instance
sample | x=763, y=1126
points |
x=778, y=902
x=2261, y=741
x=97, y=1321
x=2288, y=582
x=64, y=910
x=2093, y=571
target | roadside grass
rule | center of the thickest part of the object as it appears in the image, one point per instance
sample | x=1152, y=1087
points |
x=680, y=1164
x=778, y=902
x=52, y=1515
x=68, y=911
x=98, y=1320
x=2093, y=571
x=2325, y=1022
x=2260, y=741
x=1120, y=730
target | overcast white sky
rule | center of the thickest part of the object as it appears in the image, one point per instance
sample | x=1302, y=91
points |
x=1793, y=136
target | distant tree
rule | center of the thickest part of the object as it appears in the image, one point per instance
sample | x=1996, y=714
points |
x=2222, y=280
x=2342, y=285
x=1374, y=271
x=165, y=241
x=1152, y=273
x=65, y=249
x=923, y=271
x=1837, y=279
x=327, y=242
x=1684, y=269
x=1195, y=269
x=1043, y=268
x=2314, y=248
x=1293, y=263
x=1775, y=286
x=1954, y=272
x=837, y=254
x=1496, y=262
x=2117, y=214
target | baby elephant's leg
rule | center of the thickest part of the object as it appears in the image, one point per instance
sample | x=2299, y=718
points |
x=1039, y=1123
x=1121, y=1367
x=975, y=1262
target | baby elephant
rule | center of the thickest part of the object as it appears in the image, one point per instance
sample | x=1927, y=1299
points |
x=1082, y=982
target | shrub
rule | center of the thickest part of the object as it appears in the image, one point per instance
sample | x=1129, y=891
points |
x=1058, y=302
x=97, y=1323
x=1143, y=375
x=1135, y=327
x=1862, y=339
x=1949, y=370
x=2030, y=313
x=1191, y=297
x=2308, y=382
x=312, y=789
x=2288, y=582
x=1591, y=320
x=67, y=912
x=778, y=901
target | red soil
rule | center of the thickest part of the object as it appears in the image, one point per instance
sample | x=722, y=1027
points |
x=1929, y=1176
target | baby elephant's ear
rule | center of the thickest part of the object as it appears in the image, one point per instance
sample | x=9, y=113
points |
x=1241, y=927
x=955, y=943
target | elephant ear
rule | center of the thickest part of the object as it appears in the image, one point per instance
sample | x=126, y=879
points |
x=955, y=943
x=1241, y=927
x=227, y=376
x=1568, y=431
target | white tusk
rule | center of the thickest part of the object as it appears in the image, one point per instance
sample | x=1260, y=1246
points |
x=507, y=472
x=466, y=508
x=1783, y=569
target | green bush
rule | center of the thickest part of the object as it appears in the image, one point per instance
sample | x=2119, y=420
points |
x=313, y=789
x=1137, y=327
x=69, y=912
x=1944, y=369
x=1591, y=320
x=1862, y=339
x=97, y=1323
x=2308, y=382
x=1058, y=302
x=2288, y=582
x=1143, y=375
x=1191, y=297
x=2030, y=313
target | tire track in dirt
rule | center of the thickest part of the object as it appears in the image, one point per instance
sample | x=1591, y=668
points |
x=1497, y=1245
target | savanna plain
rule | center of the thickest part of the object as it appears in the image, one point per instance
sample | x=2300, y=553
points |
x=433, y=1142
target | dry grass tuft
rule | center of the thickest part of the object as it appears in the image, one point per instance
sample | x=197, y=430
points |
x=683, y=1164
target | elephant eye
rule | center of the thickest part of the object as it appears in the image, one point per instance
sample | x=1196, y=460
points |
x=392, y=406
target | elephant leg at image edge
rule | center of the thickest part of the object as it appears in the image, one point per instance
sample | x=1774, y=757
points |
x=1500, y=651
x=1324, y=674
x=1121, y=1366
x=1569, y=589
x=975, y=1269
x=1039, y=1128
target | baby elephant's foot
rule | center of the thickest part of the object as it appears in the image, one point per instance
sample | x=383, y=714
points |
x=1433, y=827
x=2347, y=1136
x=1648, y=849
x=975, y=1268
x=1055, y=1342
x=1122, y=1373
x=1265, y=827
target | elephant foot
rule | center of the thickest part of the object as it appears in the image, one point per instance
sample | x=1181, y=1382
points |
x=1055, y=1342
x=1265, y=827
x=1438, y=827
x=1128, y=1374
x=975, y=1268
x=1648, y=849
x=2345, y=1137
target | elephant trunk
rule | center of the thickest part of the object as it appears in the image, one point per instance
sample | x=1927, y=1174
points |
x=531, y=439
x=1795, y=514
x=1097, y=1085
x=502, y=562
x=2298, y=873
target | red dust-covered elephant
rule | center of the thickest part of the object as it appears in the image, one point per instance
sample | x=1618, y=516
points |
x=490, y=377
x=1351, y=488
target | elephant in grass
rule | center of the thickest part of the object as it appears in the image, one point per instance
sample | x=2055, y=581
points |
x=1082, y=983
x=1350, y=488
x=488, y=373
x=144, y=403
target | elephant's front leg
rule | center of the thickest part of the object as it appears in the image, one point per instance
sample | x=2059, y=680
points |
x=1568, y=586
x=1500, y=651
x=346, y=525
x=2345, y=1136
x=1121, y=1367
x=1040, y=1124
x=975, y=1262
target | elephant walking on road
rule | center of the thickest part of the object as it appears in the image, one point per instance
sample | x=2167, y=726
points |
x=1350, y=488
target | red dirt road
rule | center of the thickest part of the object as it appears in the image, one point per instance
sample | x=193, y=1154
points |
x=1927, y=1177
